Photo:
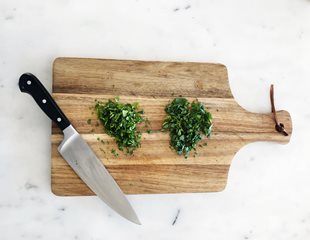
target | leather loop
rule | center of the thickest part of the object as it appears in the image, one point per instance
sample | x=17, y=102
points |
x=279, y=126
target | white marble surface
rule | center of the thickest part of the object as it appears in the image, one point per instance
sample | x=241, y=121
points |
x=261, y=42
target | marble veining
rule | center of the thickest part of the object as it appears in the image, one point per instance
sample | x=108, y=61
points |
x=29, y=185
x=184, y=8
x=261, y=42
x=176, y=217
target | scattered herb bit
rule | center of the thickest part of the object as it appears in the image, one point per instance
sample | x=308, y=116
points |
x=98, y=138
x=89, y=121
x=101, y=149
x=102, y=141
x=120, y=121
x=147, y=126
x=92, y=112
x=129, y=151
x=147, y=123
x=200, y=145
x=92, y=130
x=205, y=144
x=186, y=121
x=97, y=124
x=114, y=153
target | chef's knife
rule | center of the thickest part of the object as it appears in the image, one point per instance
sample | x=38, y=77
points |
x=77, y=153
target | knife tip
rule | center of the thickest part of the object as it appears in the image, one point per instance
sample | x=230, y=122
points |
x=136, y=221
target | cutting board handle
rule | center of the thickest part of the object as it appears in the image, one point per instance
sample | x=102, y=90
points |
x=262, y=127
x=281, y=126
x=248, y=127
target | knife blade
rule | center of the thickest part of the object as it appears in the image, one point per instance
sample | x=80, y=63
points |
x=77, y=153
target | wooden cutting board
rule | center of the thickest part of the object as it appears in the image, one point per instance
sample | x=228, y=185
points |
x=155, y=168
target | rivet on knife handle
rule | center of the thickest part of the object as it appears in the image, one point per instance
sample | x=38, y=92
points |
x=30, y=84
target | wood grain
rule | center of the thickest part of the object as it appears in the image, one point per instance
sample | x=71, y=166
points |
x=155, y=168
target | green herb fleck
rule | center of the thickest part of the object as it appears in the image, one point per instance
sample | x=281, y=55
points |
x=120, y=121
x=89, y=121
x=114, y=152
x=147, y=123
x=98, y=138
x=129, y=152
x=185, y=122
x=147, y=126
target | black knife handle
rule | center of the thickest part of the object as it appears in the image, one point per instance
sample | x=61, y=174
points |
x=28, y=83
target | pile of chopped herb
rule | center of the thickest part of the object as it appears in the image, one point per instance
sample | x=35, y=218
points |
x=186, y=121
x=120, y=121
